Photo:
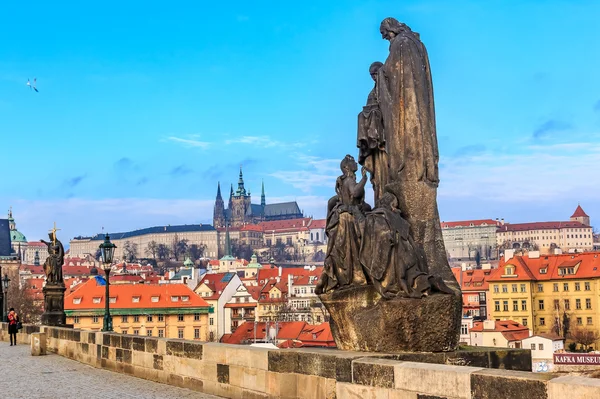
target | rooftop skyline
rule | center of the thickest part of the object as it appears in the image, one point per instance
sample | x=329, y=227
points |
x=141, y=110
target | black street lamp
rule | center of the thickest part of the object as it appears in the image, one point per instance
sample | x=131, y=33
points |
x=107, y=250
x=5, y=282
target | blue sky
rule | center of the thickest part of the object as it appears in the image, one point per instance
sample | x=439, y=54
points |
x=144, y=106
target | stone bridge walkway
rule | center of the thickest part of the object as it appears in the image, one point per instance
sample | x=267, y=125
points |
x=56, y=377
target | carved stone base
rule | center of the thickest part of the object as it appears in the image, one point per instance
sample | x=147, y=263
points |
x=362, y=321
x=54, y=305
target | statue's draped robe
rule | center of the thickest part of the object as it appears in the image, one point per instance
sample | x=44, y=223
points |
x=372, y=153
x=405, y=95
x=388, y=254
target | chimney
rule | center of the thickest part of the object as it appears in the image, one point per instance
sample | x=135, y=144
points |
x=508, y=254
x=290, y=284
x=280, y=269
x=489, y=325
x=502, y=221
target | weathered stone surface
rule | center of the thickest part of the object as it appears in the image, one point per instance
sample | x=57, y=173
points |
x=374, y=372
x=223, y=373
x=362, y=321
x=496, y=384
x=511, y=359
x=434, y=379
x=574, y=387
x=54, y=305
x=38, y=344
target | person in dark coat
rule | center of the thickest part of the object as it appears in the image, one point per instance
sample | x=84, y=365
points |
x=13, y=326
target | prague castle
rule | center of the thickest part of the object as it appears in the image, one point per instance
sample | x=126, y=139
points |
x=242, y=211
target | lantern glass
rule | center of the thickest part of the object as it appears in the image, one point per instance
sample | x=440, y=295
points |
x=107, y=250
x=5, y=282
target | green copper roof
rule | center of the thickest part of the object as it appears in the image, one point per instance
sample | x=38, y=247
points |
x=254, y=262
x=188, y=262
x=227, y=257
x=17, y=236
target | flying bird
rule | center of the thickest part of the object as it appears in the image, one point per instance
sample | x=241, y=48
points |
x=32, y=86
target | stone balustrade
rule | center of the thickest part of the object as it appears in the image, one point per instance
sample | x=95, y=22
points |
x=236, y=371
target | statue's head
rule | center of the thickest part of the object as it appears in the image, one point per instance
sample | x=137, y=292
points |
x=51, y=236
x=374, y=68
x=391, y=27
x=348, y=164
x=388, y=201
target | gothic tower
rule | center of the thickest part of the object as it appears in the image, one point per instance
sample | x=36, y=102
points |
x=219, y=212
x=263, y=200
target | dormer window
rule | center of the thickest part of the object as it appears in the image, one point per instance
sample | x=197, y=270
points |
x=543, y=270
x=96, y=300
x=155, y=299
x=113, y=299
x=76, y=301
x=174, y=299
x=185, y=298
x=135, y=299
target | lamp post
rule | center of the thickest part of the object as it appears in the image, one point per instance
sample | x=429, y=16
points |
x=107, y=250
x=5, y=282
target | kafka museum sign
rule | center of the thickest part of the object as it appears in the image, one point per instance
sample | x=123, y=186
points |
x=576, y=358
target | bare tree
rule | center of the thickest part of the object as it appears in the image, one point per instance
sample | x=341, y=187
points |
x=163, y=252
x=152, y=249
x=196, y=251
x=130, y=251
x=585, y=337
x=21, y=297
x=241, y=250
x=178, y=247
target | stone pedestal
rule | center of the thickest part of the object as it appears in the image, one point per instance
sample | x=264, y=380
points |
x=38, y=344
x=362, y=321
x=54, y=305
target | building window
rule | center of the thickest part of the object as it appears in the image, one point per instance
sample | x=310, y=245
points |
x=540, y=287
x=505, y=305
x=124, y=319
x=555, y=287
x=577, y=303
x=541, y=304
x=587, y=285
x=523, y=305
x=504, y=288
x=496, y=290
x=136, y=319
x=149, y=318
x=211, y=321
x=161, y=317
x=589, y=320
x=94, y=319
x=196, y=333
x=464, y=329
x=541, y=347
x=179, y=317
x=577, y=286
x=588, y=303
x=180, y=333
x=579, y=321
x=497, y=306
x=149, y=332
x=524, y=322
x=516, y=306
x=136, y=332
x=542, y=321
x=523, y=288
x=161, y=333
x=565, y=286
x=514, y=288
x=196, y=316
x=556, y=304
x=567, y=304
x=76, y=319
x=532, y=347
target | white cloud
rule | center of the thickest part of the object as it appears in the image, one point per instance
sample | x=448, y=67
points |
x=263, y=141
x=189, y=142
x=315, y=172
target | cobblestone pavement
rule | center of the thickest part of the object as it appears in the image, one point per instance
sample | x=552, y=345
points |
x=56, y=377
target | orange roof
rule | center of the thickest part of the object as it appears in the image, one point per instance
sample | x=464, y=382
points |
x=473, y=280
x=35, y=244
x=500, y=326
x=579, y=213
x=548, y=267
x=470, y=223
x=318, y=224
x=251, y=227
x=295, y=334
x=125, y=294
x=216, y=282
x=286, y=225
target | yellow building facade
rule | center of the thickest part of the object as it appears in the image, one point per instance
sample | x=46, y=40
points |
x=538, y=291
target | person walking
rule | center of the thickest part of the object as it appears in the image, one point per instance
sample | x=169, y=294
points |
x=13, y=326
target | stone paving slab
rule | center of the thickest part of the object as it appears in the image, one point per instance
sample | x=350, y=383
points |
x=53, y=376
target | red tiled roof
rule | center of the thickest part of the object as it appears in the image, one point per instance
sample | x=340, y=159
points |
x=587, y=265
x=251, y=227
x=469, y=223
x=579, y=213
x=295, y=334
x=124, y=294
x=515, y=336
x=286, y=225
x=500, y=326
x=318, y=224
x=473, y=280
x=539, y=226
x=215, y=282
x=35, y=244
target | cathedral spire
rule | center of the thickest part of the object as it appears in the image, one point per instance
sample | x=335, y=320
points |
x=219, y=192
x=263, y=200
x=241, y=190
